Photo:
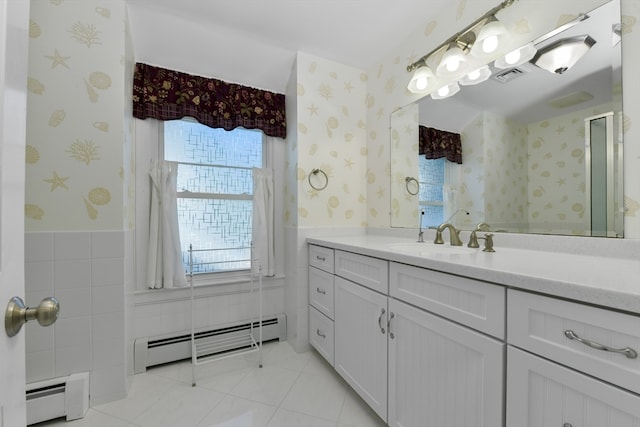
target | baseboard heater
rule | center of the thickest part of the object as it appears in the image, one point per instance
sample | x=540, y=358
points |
x=151, y=351
x=59, y=397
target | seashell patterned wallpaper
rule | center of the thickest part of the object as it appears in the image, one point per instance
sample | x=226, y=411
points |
x=330, y=136
x=77, y=171
x=75, y=177
x=386, y=91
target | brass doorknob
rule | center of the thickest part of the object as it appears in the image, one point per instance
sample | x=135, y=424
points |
x=17, y=314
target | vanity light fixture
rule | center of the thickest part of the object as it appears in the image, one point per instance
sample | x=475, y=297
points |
x=454, y=59
x=422, y=80
x=476, y=76
x=453, y=62
x=446, y=91
x=561, y=55
x=516, y=57
x=492, y=37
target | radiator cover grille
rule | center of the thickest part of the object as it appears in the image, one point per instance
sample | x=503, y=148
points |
x=149, y=351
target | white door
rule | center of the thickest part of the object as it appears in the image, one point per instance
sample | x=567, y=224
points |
x=361, y=342
x=14, y=24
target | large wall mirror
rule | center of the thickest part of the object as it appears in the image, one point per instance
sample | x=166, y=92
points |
x=542, y=151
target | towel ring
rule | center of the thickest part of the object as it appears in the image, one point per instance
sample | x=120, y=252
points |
x=326, y=179
x=409, y=179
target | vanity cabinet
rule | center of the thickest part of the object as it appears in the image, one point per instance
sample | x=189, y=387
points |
x=413, y=367
x=361, y=342
x=559, y=373
x=321, y=301
x=432, y=348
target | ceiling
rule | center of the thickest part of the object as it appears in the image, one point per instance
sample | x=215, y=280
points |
x=254, y=42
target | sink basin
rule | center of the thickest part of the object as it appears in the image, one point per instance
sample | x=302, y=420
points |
x=427, y=249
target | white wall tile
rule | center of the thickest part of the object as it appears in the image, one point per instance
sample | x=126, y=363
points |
x=108, y=326
x=74, y=332
x=107, y=353
x=108, y=384
x=74, y=303
x=107, y=271
x=38, y=247
x=74, y=274
x=38, y=338
x=107, y=244
x=40, y=366
x=107, y=299
x=69, y=360
x=71, y=245
x=38, y=276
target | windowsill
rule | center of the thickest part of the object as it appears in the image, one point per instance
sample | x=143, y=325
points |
x=206, y=287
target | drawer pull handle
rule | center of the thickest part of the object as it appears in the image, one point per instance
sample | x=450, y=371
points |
x=320, y=258
x=629, y=352
x=566, y=425
x=391, y=316
x=321, y=291
x=320, y=334
x=382, y=312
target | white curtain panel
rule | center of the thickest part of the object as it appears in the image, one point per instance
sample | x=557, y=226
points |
x=262, y=233
x=164, y=262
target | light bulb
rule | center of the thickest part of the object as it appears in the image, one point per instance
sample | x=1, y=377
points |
x=453, y=65
x=512, y=57
x=490, y=44
x=474, y=74
x=443, y=91
x=421, y=83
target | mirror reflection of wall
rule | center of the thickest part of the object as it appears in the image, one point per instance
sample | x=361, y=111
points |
x=523, y=139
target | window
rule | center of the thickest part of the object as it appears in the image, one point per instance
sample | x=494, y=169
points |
x=432, y=177
x=215, y=190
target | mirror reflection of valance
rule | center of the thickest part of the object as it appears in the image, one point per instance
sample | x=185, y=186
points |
x=435, y=144
x=170, y=95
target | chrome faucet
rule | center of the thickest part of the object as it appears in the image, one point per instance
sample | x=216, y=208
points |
x=420, y=231
x=454, y=233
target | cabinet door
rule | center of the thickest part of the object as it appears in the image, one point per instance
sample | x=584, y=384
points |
x=442, y=374
x=361, y=342
x=542, y=393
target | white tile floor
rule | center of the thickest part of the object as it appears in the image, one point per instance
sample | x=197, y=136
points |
x=291, y=390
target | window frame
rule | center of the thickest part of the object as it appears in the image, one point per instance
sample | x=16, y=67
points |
x=227, y=276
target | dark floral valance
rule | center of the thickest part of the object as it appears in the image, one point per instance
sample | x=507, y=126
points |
x=169, y=95
x=435, y=144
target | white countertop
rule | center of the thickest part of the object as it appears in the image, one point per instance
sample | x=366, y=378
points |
x=600, y=280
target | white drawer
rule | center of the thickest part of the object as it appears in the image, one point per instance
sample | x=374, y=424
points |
x=321, y=257
x=540, y=324
x=370, y=272
x=321, y=334
x=321, y=291
x=473, y=303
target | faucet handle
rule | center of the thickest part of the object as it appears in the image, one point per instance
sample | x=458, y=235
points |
x=483, y=226
x=473, y=240
x=488, y=242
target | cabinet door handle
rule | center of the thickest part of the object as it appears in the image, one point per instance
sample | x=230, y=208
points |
x=321, y=291
x=321, y=258
x=382, y=312
x=627, y=351
x=391, y=316
x=320, y=334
